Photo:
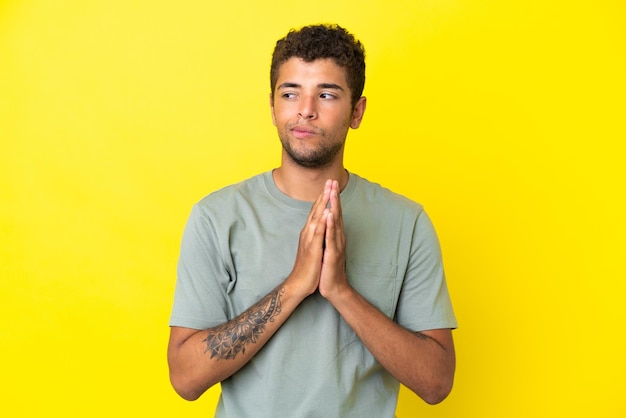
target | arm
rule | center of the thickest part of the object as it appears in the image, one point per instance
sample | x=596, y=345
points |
x=198, y=359
x=424, y=362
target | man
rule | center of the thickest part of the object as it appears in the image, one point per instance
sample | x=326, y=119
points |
x=307, y=290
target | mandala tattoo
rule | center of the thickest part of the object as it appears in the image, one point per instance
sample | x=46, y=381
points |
x=230, y=339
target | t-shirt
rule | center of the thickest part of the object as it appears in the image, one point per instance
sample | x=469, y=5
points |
x=240, y=242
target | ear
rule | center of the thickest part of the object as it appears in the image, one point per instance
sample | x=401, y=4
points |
x=272, y=108
x=357, y=113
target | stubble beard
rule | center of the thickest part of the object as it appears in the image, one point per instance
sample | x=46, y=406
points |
x=321, y=156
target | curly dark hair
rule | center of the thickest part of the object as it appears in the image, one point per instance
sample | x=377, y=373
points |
x=323, y=41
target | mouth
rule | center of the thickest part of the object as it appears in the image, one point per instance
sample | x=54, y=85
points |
x=302, y=131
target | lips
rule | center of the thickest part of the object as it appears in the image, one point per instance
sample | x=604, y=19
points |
x=303, y=131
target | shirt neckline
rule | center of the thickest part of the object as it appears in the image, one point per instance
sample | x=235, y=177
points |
x=303, y=205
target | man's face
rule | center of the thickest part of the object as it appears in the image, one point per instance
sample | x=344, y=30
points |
x=312, y=111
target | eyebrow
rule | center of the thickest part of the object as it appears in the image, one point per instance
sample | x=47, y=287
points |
x=289, y=85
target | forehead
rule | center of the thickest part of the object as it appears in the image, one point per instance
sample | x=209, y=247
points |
x=323, y=70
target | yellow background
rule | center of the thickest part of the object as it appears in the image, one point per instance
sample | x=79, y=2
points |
x=504, y=118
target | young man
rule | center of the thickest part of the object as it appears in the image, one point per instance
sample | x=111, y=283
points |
x=307, y=290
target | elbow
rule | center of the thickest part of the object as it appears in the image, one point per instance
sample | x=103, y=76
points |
x=432, y=391
x=437, y=393
x=435, y=397
x=187, y=395
x=184, y=391
x=189, y=377
x=186, y=388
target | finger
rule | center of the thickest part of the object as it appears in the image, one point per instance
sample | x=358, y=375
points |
x=315, y=231
x=329, y=238
x=320, y=204
x=334, y=239
x=335, y=204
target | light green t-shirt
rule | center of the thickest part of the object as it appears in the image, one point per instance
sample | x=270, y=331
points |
x=240, y=242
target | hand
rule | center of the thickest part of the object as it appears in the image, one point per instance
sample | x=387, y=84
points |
x=333, y=279
x=307, y=267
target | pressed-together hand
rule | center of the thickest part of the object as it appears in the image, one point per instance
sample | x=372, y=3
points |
x=333, y=277
x=320, y=256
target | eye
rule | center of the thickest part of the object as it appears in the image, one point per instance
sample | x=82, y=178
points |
x=327, y=96
x=288, y=95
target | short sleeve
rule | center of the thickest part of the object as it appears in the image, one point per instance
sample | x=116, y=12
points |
x=424, y=302
x=202, y=280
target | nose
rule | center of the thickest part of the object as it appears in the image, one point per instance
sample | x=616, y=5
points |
x=307, y=108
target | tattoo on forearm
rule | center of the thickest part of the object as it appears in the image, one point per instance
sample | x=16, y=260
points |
x=231, y=338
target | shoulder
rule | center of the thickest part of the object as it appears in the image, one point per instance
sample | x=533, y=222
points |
x=243, y=190
x=370, y=193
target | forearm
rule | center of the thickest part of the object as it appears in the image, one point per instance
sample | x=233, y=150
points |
x=200, y=359
x=423, y=362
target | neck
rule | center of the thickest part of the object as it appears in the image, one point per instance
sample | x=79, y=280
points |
x=306, y=184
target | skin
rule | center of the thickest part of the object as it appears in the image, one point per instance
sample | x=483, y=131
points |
x=312, y=111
